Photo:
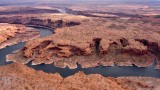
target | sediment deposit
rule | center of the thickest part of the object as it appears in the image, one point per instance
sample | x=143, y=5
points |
x=20, y=77
x=95, y=42
x=12, y=34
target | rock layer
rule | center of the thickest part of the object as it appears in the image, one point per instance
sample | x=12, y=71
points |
x=50, y=21
x=95, y=42
x=10, y=10
x=20, y=77
x=12, y=34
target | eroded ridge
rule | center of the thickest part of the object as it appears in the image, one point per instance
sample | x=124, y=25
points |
x=51, y=21
x=95, y=42
x=12, y=34
x=20, y=77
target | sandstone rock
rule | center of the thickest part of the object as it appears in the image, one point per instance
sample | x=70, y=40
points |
x=94, y=43
x=12, y=34
x=50, y=21
x=20, y=77
x=10, y=10
x=80, y=81
x=6, y=31
x=138, y=83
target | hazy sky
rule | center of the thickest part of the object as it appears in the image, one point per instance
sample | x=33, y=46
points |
x=67, y=0
x=23, y=1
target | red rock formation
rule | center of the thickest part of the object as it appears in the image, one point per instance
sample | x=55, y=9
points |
x=80, y=81
x=6, y=31
x=10, y=10
x=138, y=83
x=50, y=21
x=20, y=77
x=12, y=34
x=95, y=42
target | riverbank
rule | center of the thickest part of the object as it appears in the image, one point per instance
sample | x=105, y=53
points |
x=106, y=43
x=90, y=52
x=114, y=71
x=11, y=34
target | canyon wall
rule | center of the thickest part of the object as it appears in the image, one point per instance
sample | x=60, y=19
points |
x=95, y=42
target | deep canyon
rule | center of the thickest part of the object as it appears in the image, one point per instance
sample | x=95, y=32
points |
x=78, y=49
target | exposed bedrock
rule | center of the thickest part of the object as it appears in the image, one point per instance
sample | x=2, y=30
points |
x=12, y=34
x=22, y=33
x=92, y=44
x=20, y=77
x=35, y=21
x=26, y=10
x=154, y=48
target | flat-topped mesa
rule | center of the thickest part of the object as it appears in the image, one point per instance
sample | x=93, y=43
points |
x=11, y=34
x=58, y=49
x=95, y=43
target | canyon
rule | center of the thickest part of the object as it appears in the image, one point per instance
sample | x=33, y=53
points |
x=83, y=42
x=106, y=43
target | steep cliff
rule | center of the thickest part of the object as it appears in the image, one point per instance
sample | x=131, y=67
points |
x=95, y=42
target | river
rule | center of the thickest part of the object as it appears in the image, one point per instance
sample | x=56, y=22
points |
x=114, y=71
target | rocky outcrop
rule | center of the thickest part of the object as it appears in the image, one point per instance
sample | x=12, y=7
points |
x=51, y=21
x=35, y=20
x=95, y=43
x=20, y=77
x=138, y=83
x=7, y=31
x=12, y=34
x=80, y=81
x=26, y=10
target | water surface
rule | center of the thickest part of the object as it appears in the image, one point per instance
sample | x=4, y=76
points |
x=114, y=71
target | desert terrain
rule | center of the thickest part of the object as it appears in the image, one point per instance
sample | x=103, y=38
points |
x=12, y=76
x=12, y=34
x=88, y=34
x=106, y=43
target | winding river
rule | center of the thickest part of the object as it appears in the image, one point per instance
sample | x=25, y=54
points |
x=114, y=71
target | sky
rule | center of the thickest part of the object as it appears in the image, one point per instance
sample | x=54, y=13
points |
x=67, y=0
x=24, y=1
